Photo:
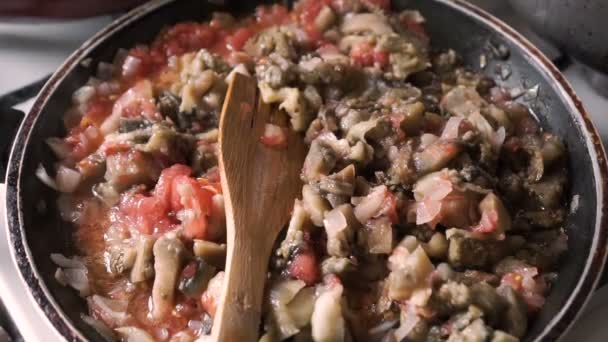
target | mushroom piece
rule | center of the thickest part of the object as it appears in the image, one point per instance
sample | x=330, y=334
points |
x=168, y=257
x=119, y=258
x=143, y=268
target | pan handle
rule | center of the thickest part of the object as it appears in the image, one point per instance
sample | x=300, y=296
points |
x=10, y=120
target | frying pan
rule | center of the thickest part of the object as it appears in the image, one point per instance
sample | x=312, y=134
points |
x=35, y=229
x=579, y=27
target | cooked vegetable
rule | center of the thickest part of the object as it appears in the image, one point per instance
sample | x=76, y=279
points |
x=168, y=258
x=432, y=205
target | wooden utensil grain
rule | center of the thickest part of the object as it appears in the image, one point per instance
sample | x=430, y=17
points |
x=260, y=185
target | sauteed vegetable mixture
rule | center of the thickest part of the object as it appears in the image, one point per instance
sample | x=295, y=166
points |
x=433, y=202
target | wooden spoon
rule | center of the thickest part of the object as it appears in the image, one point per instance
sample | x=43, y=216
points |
x=260, y=184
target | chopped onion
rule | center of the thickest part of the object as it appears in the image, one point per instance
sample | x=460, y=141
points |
x=45, y=178
x=111, y=310
x=366, y=22
x=371, y=204
x=427, y=139
x=105, y=71
x=334, y=222
x=61, y=261
x=451, y=128
x=67, y=180
x=59, y=147
x=427, y=211
x=131, y=66
x=408, y=323
x=435, y=186
x=83, y=94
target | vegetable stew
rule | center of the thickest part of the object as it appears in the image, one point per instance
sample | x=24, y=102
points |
x=432, y=205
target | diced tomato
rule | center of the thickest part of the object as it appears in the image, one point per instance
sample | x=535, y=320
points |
x=98, y=109
x=164, y=186
x=365, y=54
x=383, y=4
x=528, y=284
x=185, y=37
x=304, y=267
x=148, y=214
x=83, y=140
x=112, y=148
x=237, y=40
x=274, y=136
x=193, y=203
x=362, y=54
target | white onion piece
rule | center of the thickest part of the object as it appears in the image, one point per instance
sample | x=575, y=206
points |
x=131, y=66
x=111, y=309
x=77, y=279
x=105, y=71
x=61, y=261
x=426, y=211
x=133, y=334
x=334, y=222
x=45, y=178
x=427, y=139
x=83, y=94
x=67, y=180
x=366, y=22
x=371, y=204
x=408, y=322
x=452, y=127
x=59, y=147
x=435, y=186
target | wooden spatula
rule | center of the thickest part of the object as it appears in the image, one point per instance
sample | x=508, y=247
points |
x=259, y=184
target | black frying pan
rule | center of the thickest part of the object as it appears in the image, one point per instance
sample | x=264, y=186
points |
x=35, y=229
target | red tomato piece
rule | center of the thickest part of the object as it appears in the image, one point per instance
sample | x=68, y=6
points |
x=237, y=40
x=148, y=214
x=304, y=267
x=362, y=54
x=193, y=202
x=165, y=182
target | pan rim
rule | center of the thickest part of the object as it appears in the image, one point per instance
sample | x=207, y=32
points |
x=39, y=292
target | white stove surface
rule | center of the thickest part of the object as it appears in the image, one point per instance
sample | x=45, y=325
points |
x=30, y=51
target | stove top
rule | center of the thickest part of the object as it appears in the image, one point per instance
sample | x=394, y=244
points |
x=32, y=52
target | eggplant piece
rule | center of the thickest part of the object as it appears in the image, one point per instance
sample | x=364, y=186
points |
x=515, y=318
x=315, y=205
x=211, y=252
x=195, y=277
x=143, y=268
x=487, y=299
x=168, y=257
x=119, y=258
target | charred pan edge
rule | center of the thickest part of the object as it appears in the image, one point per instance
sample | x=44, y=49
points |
x=563, y=320
x=40, y=293
x=20, y=251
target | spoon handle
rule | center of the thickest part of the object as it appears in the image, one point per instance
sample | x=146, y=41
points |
x=238, y=317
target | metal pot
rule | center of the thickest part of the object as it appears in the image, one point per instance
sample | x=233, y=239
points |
x=35, y=229
x=579, y=27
